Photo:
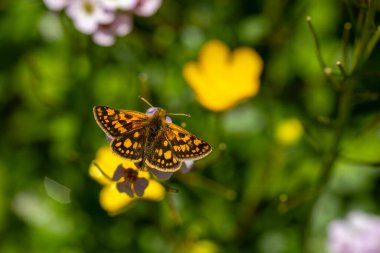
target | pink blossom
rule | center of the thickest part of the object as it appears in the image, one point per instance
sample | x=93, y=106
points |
x=56, y=5
x=147, y=8
x=358, y=233
x=105, y=19
x=103, y=37
x=88, y=15
x=105, y=34
x=119, y=4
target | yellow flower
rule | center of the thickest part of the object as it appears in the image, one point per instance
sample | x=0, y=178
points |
x=120, y=189
x=289, y=131
x=222, y=78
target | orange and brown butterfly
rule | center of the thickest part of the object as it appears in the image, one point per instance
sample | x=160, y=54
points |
x=150, y=140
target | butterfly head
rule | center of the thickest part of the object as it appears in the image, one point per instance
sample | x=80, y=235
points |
x=159, y=113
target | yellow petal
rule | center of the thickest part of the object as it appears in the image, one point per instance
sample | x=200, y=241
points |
x=246, y=61
x=96, y=174
x=112, y=200
x=213, y=57
x=154, y=191
x=107, y=164
x=141, y=173
x=221, y=79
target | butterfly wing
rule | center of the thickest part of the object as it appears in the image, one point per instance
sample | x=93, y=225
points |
x=185, y=145
x=126, y=128
x=130, y=145
x=162, y=157
x=116, y=123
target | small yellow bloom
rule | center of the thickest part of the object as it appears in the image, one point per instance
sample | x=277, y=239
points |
x=289, y=131
x=103, y=170
x=204, y=246
x=222, y=78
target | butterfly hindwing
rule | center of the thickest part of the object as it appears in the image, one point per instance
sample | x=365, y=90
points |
x=130, y=145
x=115, y=122
x=162, y=156
x=185, y=145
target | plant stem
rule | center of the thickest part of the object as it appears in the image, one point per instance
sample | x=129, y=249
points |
x=326, y=70
x=344, y=109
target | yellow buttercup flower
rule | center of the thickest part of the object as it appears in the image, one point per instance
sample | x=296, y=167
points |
x=289, y=131
x=220, y=79
x=123, y=182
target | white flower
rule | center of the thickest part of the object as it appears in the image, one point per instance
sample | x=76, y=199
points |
x=56, y=5
x=105, y=34
x=88, y=15
x=119, y=4
x=147, y=8
x=359, y=233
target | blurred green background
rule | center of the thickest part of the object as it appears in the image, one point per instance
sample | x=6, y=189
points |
x=253, y=193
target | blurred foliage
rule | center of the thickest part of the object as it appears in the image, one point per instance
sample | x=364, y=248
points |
x=253, y=193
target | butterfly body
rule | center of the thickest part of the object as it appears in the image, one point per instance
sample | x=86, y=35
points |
x=155, y=125
x=150, y=141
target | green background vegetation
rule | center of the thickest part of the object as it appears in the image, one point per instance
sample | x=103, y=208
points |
x=255, y=195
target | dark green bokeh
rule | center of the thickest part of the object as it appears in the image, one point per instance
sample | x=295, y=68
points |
x=51, y=76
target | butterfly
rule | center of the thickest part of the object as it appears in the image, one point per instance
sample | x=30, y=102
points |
x=152, y=142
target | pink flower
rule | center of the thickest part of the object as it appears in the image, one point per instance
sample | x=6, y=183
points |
x=88, y=15
x=105, y=34
x=56, y=5
x=104, y=19
x=358, y=233
x=147, y=8
x=119, y=4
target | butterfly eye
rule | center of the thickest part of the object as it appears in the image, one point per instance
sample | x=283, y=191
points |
x=151, y=111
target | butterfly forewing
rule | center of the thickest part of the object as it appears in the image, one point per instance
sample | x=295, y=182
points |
x=184, y=144
x=117, y=123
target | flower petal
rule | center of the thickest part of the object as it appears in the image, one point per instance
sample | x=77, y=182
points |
x=154, y=191
x=186, y=166
x=213, y=57
x=98, y=175
x=119, y=4
x=140, y=185
x=112, y=200
x=126, y=187
x=56, y=5
x=107, y=161
x=160, y=174
x=246, y=66
x=147, y=8
x=104, y=37
x=119, y=173
x=122, y=25
x=221, y=79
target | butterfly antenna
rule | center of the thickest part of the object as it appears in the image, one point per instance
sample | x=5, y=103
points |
x=179, y=114
x=146, y=101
